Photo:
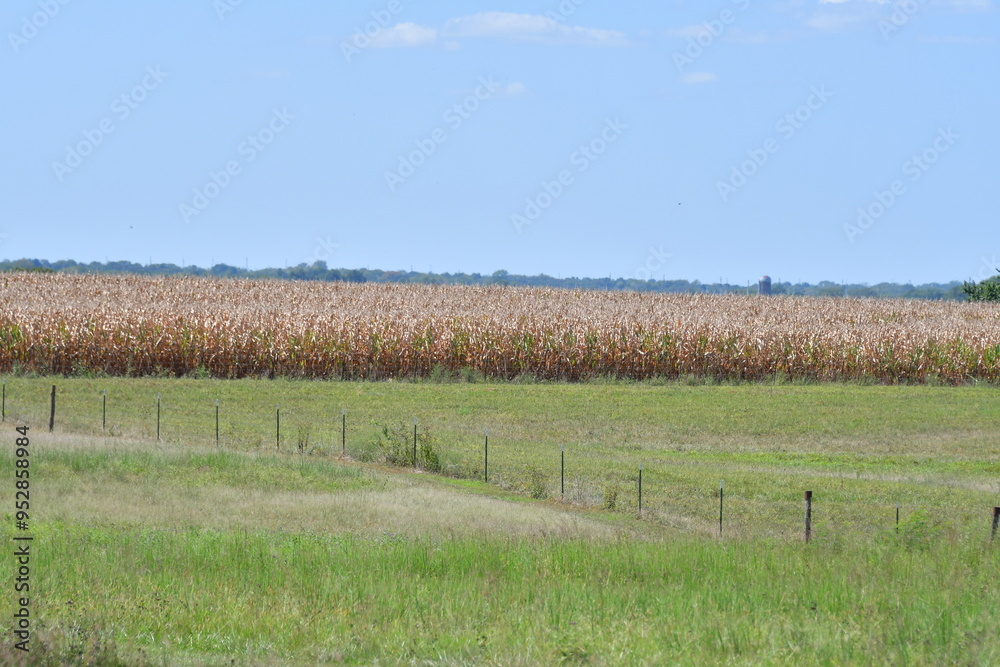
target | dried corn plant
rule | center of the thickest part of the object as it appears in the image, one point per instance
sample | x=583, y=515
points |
x=134, y=325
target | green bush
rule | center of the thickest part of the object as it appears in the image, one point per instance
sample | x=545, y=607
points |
x=535, y=485
x=394, y=445
x=987, y=290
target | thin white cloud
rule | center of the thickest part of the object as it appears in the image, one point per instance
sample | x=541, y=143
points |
x=404, y=35
x=530, y=27
x=506, y=25
x=699, y=77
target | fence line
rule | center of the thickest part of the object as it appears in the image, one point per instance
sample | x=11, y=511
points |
x=413, y=460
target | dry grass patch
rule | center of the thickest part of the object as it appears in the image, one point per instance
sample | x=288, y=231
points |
x=93, y=481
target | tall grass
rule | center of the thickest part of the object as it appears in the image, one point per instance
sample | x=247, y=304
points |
x=312, y=598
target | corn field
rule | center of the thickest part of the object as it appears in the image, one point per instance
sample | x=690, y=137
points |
x=136, y=326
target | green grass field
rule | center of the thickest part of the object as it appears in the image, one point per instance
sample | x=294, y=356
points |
x=178, y=552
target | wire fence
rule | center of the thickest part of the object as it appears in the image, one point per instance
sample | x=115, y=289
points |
x=311, y=422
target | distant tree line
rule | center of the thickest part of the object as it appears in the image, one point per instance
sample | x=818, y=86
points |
x=319, y=271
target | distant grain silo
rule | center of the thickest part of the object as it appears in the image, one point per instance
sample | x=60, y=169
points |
x=764, y=287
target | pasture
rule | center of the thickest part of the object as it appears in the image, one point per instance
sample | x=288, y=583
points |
x=178, y=551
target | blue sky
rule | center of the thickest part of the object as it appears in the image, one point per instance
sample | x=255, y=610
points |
x=846, y=140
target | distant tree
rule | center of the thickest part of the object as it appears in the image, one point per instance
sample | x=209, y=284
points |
x=500, y=277
x=987, y=290
x=224, y=270
x=829, y=289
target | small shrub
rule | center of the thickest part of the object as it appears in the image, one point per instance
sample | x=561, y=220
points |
x=394, y=445
x=535, y=484
x=440, y=374
x=426, y=454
